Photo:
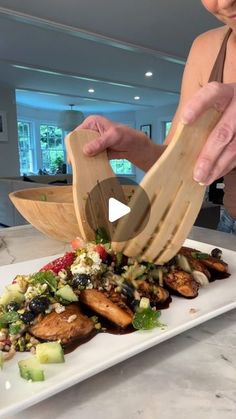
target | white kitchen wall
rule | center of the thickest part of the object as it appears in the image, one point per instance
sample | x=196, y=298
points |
x=9, y=158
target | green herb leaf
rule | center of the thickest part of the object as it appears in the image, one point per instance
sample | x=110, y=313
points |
x=199, y=255
x=146, y=319
x=119, y=258
x=9, y=317
x=101, y=236
x=46, y=277
x=14, y=329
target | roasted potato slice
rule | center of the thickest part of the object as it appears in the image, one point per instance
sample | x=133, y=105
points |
x=211, y=263
x=195, y=264
x=180, y=282
x=155, y=293
x=102, y=304
x=216, y=264
x=66, y=326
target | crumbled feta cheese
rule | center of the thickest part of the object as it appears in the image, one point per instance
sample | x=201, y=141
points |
x=72, y=318
x=59, y=308
x=86, y=263
x=62, y=274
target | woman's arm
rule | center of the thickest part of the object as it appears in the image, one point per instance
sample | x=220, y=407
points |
x=121, y=141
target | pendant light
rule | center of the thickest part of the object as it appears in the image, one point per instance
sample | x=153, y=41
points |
x=70, y=119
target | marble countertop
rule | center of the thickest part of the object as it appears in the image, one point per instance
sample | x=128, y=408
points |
x=192, y=375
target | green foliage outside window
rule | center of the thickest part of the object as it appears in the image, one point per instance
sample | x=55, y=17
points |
x=167, y=127
x=122, y=167
x=51, y=143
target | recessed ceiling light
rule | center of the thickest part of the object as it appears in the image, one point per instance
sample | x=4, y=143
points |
x=149, y=74
x=91, y=90
x=136, y=97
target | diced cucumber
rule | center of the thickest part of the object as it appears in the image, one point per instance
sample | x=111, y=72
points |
x=49, y=353
x=144, y=302
x=11, y=294
x=67, y=293
x=31, y=369
x=1, y=360
x=14, y=287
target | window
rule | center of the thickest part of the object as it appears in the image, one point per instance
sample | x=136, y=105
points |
x=25, y=147
x=42, y=150
x=122, y=167
x=52, y=148
x=167, y=126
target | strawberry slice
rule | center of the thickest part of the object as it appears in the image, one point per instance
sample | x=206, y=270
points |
x=64, y=262
x=77, y=243
x=100, y=249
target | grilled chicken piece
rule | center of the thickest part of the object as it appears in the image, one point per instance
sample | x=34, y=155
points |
x=119, y=299
x=63, y=326
x=210, y=262
x=101, y=304
x=155, y=293
x=181, y=283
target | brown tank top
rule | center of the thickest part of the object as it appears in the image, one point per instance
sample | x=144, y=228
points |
x=217, y=74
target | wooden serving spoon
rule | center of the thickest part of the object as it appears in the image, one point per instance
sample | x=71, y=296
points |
x=175, y=198
x=91, y=205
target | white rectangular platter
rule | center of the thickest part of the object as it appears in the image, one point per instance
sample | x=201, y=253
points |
x=106, y=350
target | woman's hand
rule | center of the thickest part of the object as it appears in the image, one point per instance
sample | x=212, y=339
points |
x=120, y=141
x=218, y=156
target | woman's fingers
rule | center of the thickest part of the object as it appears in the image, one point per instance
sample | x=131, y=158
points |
x=96, y=123
x=100, y=144
x=225, y=163
x=219, y=153
x=102, y=126
x=216, y=95
x=218, y=156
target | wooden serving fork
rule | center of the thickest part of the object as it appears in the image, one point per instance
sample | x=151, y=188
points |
x=90, y=203
x=175, y=198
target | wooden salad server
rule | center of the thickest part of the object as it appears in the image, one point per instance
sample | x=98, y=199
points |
x=175, y=198
x=91, y=209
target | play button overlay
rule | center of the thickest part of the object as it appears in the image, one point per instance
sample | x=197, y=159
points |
x=116, y=210
x=123, y=213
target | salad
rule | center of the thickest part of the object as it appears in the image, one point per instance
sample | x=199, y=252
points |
x=91, y=290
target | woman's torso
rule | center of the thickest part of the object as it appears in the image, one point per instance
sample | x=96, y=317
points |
x=225, y=71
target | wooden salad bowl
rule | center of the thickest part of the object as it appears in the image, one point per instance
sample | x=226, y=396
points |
x=51, y=210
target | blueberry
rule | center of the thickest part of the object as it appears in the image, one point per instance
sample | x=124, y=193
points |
x=13, y=306
x=128, y=289
x=216, y=253
x=171, y=262
x=81, y=281
x=39, y=304
x=134, y=304
x=108, y=260
x=118, y=270
x=27, y=317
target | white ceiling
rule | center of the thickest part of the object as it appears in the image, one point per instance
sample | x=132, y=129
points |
x=53, y=51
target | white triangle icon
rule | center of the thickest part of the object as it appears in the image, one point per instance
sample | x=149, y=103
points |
x=116, y=209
